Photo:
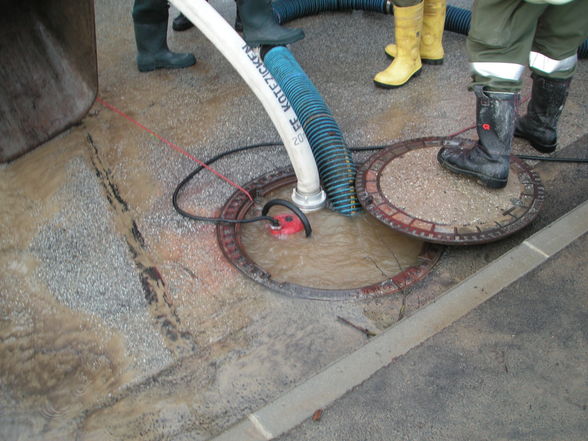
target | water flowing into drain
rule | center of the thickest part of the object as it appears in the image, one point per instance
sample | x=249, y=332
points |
x=346, y=257
x=342, y=252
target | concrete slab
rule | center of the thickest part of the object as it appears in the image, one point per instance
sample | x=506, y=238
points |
x=513, y=369
x=323, y=389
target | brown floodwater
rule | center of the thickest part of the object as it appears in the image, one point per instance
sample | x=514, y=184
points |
x=342, y=252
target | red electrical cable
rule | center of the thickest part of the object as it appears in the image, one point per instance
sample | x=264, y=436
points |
x=193, y=158
x=173, y=146
x=453, y=135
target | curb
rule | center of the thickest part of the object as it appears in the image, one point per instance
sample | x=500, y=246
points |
x=324, y=388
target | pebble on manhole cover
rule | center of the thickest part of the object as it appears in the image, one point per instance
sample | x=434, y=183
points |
x=405, y=187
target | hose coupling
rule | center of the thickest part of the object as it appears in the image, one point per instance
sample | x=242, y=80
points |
x=309, y=202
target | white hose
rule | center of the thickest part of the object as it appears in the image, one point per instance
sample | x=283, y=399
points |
x=308, y=194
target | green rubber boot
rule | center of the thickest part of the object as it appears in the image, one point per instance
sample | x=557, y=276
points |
x=181, y=23
x=260, y=27
x=153, y=52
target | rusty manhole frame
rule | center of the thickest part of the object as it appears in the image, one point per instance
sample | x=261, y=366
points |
x=372, y=199
x=229, y=240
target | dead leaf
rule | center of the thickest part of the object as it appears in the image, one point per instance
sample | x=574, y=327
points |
x=316, y=416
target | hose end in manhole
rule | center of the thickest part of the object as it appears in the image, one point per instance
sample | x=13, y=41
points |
x=237, y=248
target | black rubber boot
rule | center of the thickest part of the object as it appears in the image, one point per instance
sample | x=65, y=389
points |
x=238, y=23
x=153, y=52
x=488, y=161
x=260, y=27
x=539, y=125
x=181, y=23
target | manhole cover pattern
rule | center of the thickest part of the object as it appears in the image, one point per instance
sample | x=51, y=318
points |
x=372, y=198
x=228, y=235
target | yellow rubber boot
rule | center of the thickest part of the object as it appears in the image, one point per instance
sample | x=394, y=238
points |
x=431, y=47
x=408, y=23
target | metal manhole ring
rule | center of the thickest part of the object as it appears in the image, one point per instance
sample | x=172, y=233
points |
x=228, y=235
x=371, y=198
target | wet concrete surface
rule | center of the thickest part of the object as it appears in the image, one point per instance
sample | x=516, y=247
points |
x=122, y=320
x=513, y=369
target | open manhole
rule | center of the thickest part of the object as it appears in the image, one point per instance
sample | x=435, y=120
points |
x=405, y=188
x=345, y=257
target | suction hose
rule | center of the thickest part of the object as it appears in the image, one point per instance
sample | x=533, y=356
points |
x=333, y=158
x=456, y=19
x=308, y=194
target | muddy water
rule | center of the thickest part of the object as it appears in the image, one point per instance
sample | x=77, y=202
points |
x=342, y=252
x=54, y=362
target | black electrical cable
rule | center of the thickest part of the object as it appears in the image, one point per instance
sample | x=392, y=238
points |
x=552, y=159
x=267, y=206
x=369, y=148
x=217, y=220
x=525, y=157
x=273, y=221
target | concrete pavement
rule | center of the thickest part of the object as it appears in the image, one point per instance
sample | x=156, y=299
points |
x=503, y=355
x=514, y=368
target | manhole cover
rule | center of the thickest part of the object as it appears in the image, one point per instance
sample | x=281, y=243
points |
x=231, y=241
x=404, y=187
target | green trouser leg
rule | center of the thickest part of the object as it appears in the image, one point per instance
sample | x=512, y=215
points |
x=506, y=31
x=561, y=30
x=150, y=22
x=551, y=34
x=150, y=11
x=553, y=65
